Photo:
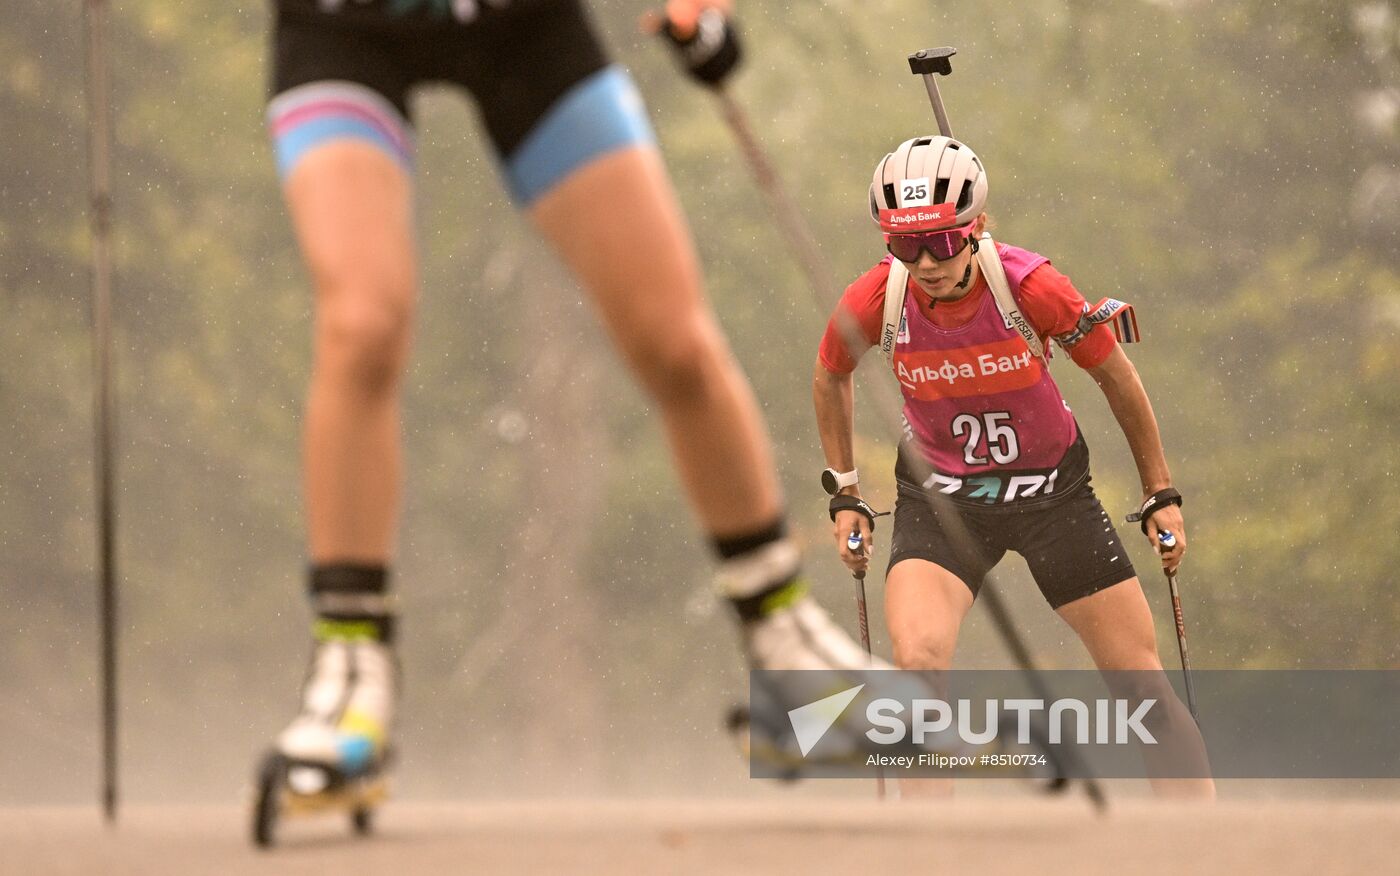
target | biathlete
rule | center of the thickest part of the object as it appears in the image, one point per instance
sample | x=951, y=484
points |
x=987, y=429
x=578, y=155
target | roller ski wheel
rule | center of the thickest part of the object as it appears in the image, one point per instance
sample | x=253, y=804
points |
x=736, y=724
x=755, y=741
x=266, y=804
x=288, y=789
x=362, y=820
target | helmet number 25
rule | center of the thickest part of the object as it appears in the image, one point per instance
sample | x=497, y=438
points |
x=914, y=193
x=1001, y=438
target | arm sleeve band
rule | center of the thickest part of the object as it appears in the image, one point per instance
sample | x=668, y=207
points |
x=1054, y=307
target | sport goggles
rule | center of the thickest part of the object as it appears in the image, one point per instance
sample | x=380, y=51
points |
x=941, y=245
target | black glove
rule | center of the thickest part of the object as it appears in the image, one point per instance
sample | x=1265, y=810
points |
x=711, y=51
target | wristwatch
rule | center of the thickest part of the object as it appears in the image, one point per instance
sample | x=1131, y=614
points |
x=834, y=481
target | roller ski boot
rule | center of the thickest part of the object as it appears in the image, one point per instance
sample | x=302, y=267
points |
x=783, y=628
x=793, y=632
x=333, y=757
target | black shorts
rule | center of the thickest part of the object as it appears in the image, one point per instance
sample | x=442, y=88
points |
x=1069, y=542
x=516, y=60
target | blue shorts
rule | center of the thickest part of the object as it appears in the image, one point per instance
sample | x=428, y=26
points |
x=549, y=100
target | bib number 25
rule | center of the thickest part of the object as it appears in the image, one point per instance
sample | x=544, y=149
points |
x=1001, y=437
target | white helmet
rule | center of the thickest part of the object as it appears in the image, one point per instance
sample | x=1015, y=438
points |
x=928, y=172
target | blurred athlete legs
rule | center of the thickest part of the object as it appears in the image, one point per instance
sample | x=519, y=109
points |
x=578, y=155
x=613, y=218
x=617, y=225
x=352, y=209
x=351, y=205
x=616, y=222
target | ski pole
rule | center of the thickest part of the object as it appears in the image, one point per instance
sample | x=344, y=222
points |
x=1168, y=540
x=856, y=544
x=807, y=251
x=99, y=173
x=1001, y=618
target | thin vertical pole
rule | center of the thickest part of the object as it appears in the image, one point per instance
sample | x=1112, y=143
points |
x=99, y=127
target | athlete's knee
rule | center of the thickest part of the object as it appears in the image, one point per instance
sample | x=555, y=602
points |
x=925, y=651
x=363, y=336
x=1135, y=657
x=1143, y=685
x=679, y=364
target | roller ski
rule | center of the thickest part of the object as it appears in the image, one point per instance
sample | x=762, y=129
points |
x=334, y=757
x=797, y=634
x=289, y=788
x=793, y=633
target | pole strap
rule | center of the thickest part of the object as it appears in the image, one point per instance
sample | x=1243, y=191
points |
x=854, y=503
x=1152, y=504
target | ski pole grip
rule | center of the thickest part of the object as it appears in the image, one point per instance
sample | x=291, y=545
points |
x=856, y=545
x=929, y=61
x=711, y=51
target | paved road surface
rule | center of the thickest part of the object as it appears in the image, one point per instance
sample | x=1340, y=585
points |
x=792, y=837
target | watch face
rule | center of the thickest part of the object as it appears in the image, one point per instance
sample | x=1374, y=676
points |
x=829, y=482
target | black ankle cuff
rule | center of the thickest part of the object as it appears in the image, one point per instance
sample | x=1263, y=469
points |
x=351, y=602
x=738, y=545
x=348, y=578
